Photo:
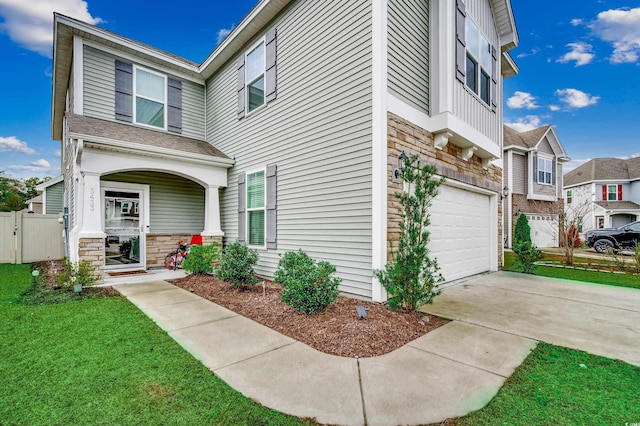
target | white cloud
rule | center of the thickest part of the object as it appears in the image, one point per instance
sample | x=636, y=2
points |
x=41, y=163
x=524, y=124
x=522, y=100
x=575, y=98
x=531, y=53
x=57, y=153
x=29, y=23
x=581, y=53
x=621, y=28
x=576, y=21
x=223, y=33
x=12, y=143
x=40, y=166
x=554, y=107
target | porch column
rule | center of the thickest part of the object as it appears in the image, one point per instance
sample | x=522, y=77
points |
x=212, y=226
x=91, y=226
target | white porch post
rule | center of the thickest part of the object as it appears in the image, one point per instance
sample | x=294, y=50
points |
x=212, y=226
x=91, y=226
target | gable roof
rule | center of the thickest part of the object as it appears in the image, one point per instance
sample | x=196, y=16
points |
x=600, y=169
x=530, y=140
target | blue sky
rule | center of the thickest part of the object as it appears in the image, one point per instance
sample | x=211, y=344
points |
x=579, y=67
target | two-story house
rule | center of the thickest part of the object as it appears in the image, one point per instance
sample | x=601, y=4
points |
x=287, y=136
x=533, y=183
x=605, y=192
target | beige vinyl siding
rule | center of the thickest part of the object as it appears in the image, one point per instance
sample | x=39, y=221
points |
x=53, y=198
x=99, y=93
x=466, y=104
x=318, y=132
x=545, y=147
x=177, y=204
x=408, y=47
x=519, y=174
x=559, y=182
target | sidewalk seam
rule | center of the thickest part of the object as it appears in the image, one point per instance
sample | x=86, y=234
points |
x=254, y=356
x=195, y=325
x=364, y=409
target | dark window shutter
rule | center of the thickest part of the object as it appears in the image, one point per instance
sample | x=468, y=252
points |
x=124, y=91
x=553, y=172
x=604, y=192
x=242, y=209
x=241, y=96
x=535, y=167
x=461, y=50
x=271, y=206
x=174, y=92
x=494, y=78
x=619, y=192
x=270, y=68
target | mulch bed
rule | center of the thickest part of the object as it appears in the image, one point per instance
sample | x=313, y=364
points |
x=336, y=331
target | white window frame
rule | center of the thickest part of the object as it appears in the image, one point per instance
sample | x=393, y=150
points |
x=479, y=66
x=615, y=192
x=135, y=96
x=569, y=196
x=264, y=208
x=545, y=160
x=247, y=83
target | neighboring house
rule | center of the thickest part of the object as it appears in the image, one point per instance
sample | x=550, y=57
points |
x=34, y=205
x=609, y=187
x=533, y=181
x=51, y=193
x=287, y=136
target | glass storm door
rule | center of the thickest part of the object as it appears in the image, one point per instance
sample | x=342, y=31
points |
x=124, y=244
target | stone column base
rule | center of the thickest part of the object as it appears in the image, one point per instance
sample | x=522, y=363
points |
x=92, y=250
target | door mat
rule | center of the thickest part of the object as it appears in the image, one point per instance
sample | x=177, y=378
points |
x=117, y=274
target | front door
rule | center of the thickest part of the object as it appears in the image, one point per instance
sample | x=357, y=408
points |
x=124, y=226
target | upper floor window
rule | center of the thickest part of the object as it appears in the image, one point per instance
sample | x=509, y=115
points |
x=255, y=72
x=545, y=170
x=479, y=61
x=612, y=192
x=569, y=197
x=150, y=98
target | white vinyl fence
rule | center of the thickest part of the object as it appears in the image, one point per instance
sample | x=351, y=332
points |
x=26, y=238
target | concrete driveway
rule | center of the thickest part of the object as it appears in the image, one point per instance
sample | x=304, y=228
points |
x=599, y=319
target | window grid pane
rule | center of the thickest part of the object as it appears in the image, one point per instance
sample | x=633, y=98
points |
x=255, y=62
x=149, y=112
x=256, y=228
x=612, y=192
x=256, y=94
x=472, y=74
x=149, y=85
x=255, y=190
x=484, y=87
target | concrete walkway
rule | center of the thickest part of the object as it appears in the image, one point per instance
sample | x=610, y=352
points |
x=599, y=319
x=450, y=372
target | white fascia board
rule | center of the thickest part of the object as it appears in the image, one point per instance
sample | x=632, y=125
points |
x=45, y=185
x=139, y=149
x=464, y=135
x=119, y=40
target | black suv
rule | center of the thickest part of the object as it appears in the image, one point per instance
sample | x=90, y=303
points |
x=613, y=239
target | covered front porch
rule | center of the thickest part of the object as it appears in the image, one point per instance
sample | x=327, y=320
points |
x=134, y=200
x=614, y=214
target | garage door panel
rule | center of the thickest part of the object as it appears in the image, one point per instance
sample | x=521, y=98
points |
x=460, y=232
x=544, y=230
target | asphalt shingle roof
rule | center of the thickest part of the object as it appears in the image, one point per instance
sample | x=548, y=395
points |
x=523, y=139
x=618, y=205
x=604, y=169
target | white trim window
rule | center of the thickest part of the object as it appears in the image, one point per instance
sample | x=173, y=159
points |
x=255, y=77
x=545, y=170
x=256, y=211
x=479, y=61
x=612, y=192
x=150, y=98
x=569, y=196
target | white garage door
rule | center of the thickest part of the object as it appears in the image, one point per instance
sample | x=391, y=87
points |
x=544, y=229
x=461, y=232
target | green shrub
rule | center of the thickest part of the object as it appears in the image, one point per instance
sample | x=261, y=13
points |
x=201, y=259
x=526, y=256
x=411, y=278
x=75, y=273
x=236, y=265
x=522, y=231
x=306, y=285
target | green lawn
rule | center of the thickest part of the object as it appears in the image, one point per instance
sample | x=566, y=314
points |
x=620, y=280
x=560, y=386
x=101, y=361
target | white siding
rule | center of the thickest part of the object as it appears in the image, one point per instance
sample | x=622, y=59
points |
x=318, y=132
x=99, y=93
x=177, y=204
x=408, y=41
x=466, y=104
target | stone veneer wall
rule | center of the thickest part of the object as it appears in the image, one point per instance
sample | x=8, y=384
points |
x=92, y=251
x=160, y=245
x=403, y=135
